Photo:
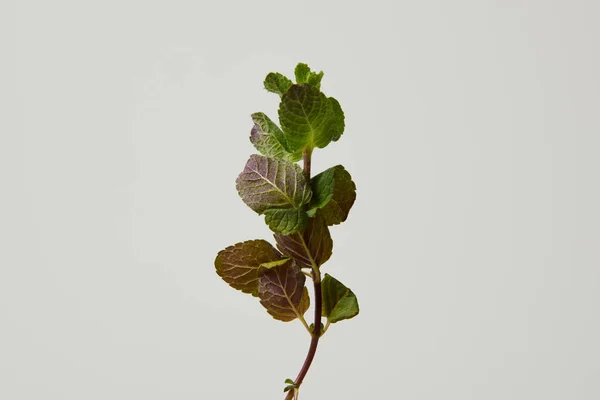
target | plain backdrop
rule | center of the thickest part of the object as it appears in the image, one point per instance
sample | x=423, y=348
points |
x=472, y=132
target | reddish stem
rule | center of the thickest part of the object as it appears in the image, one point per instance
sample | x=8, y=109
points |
x=316, y=275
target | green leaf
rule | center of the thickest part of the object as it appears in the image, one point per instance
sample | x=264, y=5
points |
x=339, y=302
x=334, y=193
x=314, y=79
x=238, y=265
x=305, y=115
x=269, y=139
x=277, y=83
x=282, y=292
x=302, y=72
x=287, y=220
x=267, y=183
x=266, y=126
x=314, y=244
x=305, y=75
x=289, y=381
x=338, y=120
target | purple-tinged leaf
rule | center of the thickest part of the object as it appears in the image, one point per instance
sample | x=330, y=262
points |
x=267, y=183
x=269, y=139
x=312, y=246
x=282, y=292
x=238, y=265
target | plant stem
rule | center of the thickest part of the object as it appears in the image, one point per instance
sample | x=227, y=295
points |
x=316, y=275
x=306, y=157
x=315, y=339
x=313, y=342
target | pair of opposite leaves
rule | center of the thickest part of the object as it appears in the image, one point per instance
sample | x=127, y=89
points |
x=257, y=268
x=279, y=190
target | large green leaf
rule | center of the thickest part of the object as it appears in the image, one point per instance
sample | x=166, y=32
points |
x=305, y=115
x=267, y=183
x=286, y=220
x=238, y=265
x=313, y=245
x=277, y=83
x=269, y=140
x=282, y=292
x=334, y=193
x=339, y=302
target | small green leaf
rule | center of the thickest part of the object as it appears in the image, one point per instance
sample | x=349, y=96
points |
x=286, y=221
x=305, y=115
x=238, y=265
x=282, y=292
x=290, y=381
x=288, y=388
x=302, y=73
x=314, y=244
x=312, y=327
x=339, y=302
x=314, y=79
x=305, y=75
x=277, y=83
x=338, y=120
x=267, y=183
x=269, y=139
x=334, y=193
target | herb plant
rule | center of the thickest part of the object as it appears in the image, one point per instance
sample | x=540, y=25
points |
x=297, y=208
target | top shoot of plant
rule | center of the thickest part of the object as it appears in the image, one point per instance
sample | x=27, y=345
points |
x=298, y=208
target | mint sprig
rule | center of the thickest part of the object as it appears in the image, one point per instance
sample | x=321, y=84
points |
x=298, y=209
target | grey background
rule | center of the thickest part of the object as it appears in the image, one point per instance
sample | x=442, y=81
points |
x=472, y=133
